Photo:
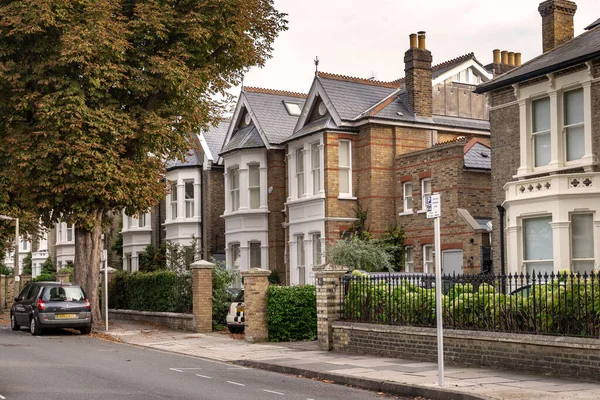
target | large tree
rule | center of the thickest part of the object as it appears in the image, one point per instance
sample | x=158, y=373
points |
x=96, y=94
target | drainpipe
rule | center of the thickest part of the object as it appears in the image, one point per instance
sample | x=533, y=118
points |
x=501, y=212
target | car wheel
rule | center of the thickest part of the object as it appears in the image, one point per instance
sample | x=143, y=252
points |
x=86, y=331
x=13, y=323
x=236, y=329
x=34, y=327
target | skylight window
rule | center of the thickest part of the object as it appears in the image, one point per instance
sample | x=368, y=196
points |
x=292, y=108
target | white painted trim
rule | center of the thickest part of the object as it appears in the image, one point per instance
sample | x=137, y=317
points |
x=205, y=148
x=317, y=89
x=467, y=64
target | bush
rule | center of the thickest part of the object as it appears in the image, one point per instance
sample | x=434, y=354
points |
x=27, y=264
x=4, y=270
x=292, y=313
x=153, y=258
x=221, y=280
x=360, y=254
x=44, y=277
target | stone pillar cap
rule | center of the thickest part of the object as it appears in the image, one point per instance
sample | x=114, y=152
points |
x=256, y=272
x=202, y=264
x=329, y=267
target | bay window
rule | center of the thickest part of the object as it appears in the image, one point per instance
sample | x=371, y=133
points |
x=407, y=195
x=345, y=168
x=174, y=200
x=300, y=258
x=189, y=199
x=234, y=188
x=300, y=171
x=254, y=185
x=255, y=255
x=142, y=220
x=537, y=245
x=540, y=131
x=317, y=253
x=582, y=243
x=573, y=124
x=70, y=233
x=315, y=153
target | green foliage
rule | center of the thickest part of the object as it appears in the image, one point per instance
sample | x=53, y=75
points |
x=44, y=277
x=274, y=278
x=222, y=279
x=359, y=229
x=68, y=270
x=4, y=270
x=392, y=241
x=152, y=291
x=48, y=267
x=567, y=307
x=27, y=264
x=153, y=258
x=292, y=313
x=180, y=258
x=117, y=246
x=359, y=254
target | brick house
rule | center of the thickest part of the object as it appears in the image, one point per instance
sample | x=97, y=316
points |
x=191, y=209
x=347, y=147
x=255, y=180
x=545, y=121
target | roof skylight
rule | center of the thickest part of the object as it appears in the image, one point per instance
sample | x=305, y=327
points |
x=293, y=108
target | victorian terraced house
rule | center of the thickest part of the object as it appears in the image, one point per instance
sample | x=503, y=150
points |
x=545, y=121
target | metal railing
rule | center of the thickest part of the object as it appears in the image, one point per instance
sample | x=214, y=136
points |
x=554, y=304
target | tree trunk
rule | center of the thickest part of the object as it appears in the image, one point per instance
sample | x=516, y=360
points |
x=88, y=253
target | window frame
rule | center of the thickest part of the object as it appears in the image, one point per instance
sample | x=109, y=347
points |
x=70, y=231
x=190, y=203
x=301, y=259
x=574, y=260
x=428, y=265
x=525, y=261
x=256, y=247
x=533, y=134
x=315, y=170
x=253, y=190
x=406, y=198
x=565, y=128
x=174, y=198
x=408, y=262
x=142, y=220
x=317, y=249
x=424, y=193
x=234, y=191
x=300, y=186
x=347, y=168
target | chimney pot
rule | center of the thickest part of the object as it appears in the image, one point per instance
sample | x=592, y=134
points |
x=421, y=36
x=496, y=53
x=504, y=57
x=518, y=59
x=413, y=40
x=511, y=58
x=557, y=22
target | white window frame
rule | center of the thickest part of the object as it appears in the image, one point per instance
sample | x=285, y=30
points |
x=301, y=259
x=235, y=257
x=424, y=194
x=591, y=259
x=253, y=190
x=174, y=197
x=300, y=184
x=345, y=167
x=565, y=127
x=59, y=236
x=315, y=165
x=317, y=249
x=190, y=202
x=234, y=191
x=406, y=198
x=523, y=244
x=540, y=133
x=409, y=262
x=428, y=266
x=142, y=221
x=70, y=232
x=254, y=246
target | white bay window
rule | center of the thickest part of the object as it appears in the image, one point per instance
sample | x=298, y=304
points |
x=582, y=243
x=234, y=189
x=315, y=153
x=574, y=124
x=300, y=171
x=254, y=185
x=173, y=200
x=540, y=131
x=345, y=168
x=189, y=199
x=537, y=245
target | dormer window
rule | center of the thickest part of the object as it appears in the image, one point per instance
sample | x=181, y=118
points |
x=292, y=108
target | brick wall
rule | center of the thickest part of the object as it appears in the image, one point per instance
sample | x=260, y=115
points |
x=213, y=204
x=255, y=300
x=505, y=140
x=562, y=357
x=458, y=188
x=183, y=322
x=557, y=22
x=276, y=178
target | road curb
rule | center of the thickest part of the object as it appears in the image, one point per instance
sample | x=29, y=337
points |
x=399, y=389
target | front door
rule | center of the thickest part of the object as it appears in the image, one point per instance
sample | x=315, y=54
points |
x=452, y=262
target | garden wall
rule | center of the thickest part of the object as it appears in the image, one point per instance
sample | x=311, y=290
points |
x=172, y=320
x=564, y=357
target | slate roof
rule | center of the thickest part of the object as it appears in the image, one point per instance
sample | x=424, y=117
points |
x=215, y=136
x=273, y=117
x=593, y=25
x=191, y=160
x=325, y=122
x=245, y=138
x=580, y=49
x=478, y=156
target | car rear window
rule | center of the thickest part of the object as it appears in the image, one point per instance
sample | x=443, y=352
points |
x=63, y=293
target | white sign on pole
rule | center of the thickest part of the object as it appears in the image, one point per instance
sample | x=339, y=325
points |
x=433, y=206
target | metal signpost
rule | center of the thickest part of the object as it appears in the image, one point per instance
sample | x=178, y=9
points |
x=434, y=210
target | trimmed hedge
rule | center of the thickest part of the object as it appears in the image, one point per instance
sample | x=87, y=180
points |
x=292, y=313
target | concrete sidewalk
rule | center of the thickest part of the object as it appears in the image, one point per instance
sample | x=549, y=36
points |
x=395, y=376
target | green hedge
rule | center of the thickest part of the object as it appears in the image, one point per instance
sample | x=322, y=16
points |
x=163, y=291
x=292, y=313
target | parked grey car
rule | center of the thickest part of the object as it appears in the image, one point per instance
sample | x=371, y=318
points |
x=42, y=305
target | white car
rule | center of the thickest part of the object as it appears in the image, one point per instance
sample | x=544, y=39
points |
x=235, y=315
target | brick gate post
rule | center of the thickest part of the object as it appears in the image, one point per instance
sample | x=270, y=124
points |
x=329, y=300
x=202, y=295
x=256, y=282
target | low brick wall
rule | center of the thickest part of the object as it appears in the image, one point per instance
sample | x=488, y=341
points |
x=183, y=322
x=563, y=357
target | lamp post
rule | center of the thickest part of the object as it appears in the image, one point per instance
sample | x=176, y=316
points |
x=17, y=269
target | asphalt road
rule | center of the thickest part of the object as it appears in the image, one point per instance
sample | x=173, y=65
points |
x=66, y=365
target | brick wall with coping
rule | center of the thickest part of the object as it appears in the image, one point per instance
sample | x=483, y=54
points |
x=329, y=300
x=256, y=283
x=183, y=322
x=563, y=357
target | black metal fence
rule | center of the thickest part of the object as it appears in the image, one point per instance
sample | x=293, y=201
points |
x=554, y=304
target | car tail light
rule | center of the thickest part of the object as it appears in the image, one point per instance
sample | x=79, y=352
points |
x=88, y=305
x=41, y=305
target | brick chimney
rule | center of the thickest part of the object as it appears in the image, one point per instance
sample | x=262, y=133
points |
x=417, y=69
x=504, y=61
x=557, y=22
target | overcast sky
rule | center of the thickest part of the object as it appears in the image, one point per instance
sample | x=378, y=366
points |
x=365, y=37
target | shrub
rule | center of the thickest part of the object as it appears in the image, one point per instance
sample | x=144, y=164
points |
x=44, y=277
x=359, y=254
x=4, y=270
x=274, y=278
x=292, y=313
x=153, y=258
x=221, y=280
x=392, y=242
x=27, y=264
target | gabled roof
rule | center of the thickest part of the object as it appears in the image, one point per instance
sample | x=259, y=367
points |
x=478, y=155
x=270, y=118
x=578, y=50
x=212, y=139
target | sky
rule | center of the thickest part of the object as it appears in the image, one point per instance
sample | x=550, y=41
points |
x=365, y=38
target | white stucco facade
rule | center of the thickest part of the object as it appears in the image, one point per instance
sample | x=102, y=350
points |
x=306, y=211
x=65, y=244
x=183, y=208
x=137, y=235
x=246, y=221
x=551, y=205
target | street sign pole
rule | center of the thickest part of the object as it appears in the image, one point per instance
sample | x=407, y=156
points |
x=434, y=210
